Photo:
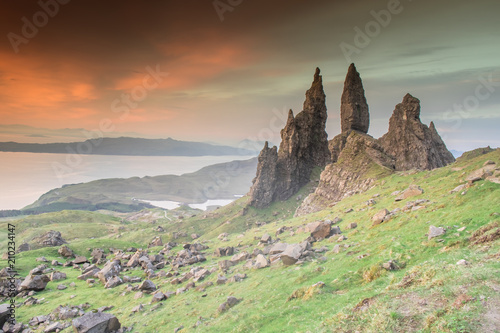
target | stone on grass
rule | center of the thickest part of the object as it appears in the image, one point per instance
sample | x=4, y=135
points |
x=96, y=322
x=435, y=232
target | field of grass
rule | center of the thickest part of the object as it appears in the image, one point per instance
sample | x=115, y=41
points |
x=429, y=292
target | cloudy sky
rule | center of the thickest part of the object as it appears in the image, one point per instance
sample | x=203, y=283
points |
x=228, y=70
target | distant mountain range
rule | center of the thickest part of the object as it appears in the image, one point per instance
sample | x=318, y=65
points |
x=128, y=146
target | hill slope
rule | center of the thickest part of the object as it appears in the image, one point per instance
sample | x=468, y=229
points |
x=449, y=283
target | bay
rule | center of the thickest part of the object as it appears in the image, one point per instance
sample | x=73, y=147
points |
x=24, y=177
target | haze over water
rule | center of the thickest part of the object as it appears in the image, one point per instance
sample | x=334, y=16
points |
x=24, y=177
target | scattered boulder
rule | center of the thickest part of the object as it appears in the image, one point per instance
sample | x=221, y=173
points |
x=380, y=217
x=266, y=239
x=411, y=191
x=147, y=286
x=239, y=257
x=352, y=225
x=435, y=232
x=113, y=282
x=278, y=248
x=158, y=297
x=292, y=254
x=55, y=276
x=201, y=274
x=223, y=236
x=97, y=255
x=229, y=303
x=4, y=314
x=65, y=252
x=54, y=327
x=156, y=242
x=261, y=262
x=225, y=264
x=224, y=251
x=51, y=238
x=96, y=322
x=110, y=270
x=319, y=230
x=459, y=188
x=221, y=279
x=482, y=173
x=35, y=282
x=80, y=260
x=390, y=265
x=23, y=248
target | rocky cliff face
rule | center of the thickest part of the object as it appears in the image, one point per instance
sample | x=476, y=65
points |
x=411, y=143
x=262, y=191
x=354, y=113
x=360, y=163
x=304, y=145
x=356, y=159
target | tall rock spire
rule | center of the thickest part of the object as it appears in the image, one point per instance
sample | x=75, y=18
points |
x=354, y=109
x=413, y=144
x=304, y=145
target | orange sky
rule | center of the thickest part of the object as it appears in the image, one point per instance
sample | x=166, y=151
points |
x=226, y=79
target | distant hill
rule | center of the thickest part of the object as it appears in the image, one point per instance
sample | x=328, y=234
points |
x=218, y=181
x=127, y=146
x=456, y=153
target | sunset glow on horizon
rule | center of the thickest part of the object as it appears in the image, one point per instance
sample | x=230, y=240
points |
x=228, y=78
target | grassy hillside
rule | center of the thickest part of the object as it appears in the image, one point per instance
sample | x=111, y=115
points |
x=427, y=292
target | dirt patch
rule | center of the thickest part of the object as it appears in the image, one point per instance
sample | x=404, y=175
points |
x=461, y=301
x=306, y=293
x=491, y=318
x=486, y=234
x=364, y=304
x=411, y=304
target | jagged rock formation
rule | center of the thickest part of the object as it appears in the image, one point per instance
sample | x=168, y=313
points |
x=304, y=145
x=360, y=163
x=413, y=144
x=354, y=109
x=354, y=115
x=262, y=192
x=356, y=159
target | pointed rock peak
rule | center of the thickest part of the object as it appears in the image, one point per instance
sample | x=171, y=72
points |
x=410, y=99
x=317, y=77
x=266, y=145
x=411, y=107
x=290, y=117
x=315, y=96
x=352, y=71
x=432, y=127
x=354, y=113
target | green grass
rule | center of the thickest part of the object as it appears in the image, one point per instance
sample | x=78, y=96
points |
x=423, y=296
